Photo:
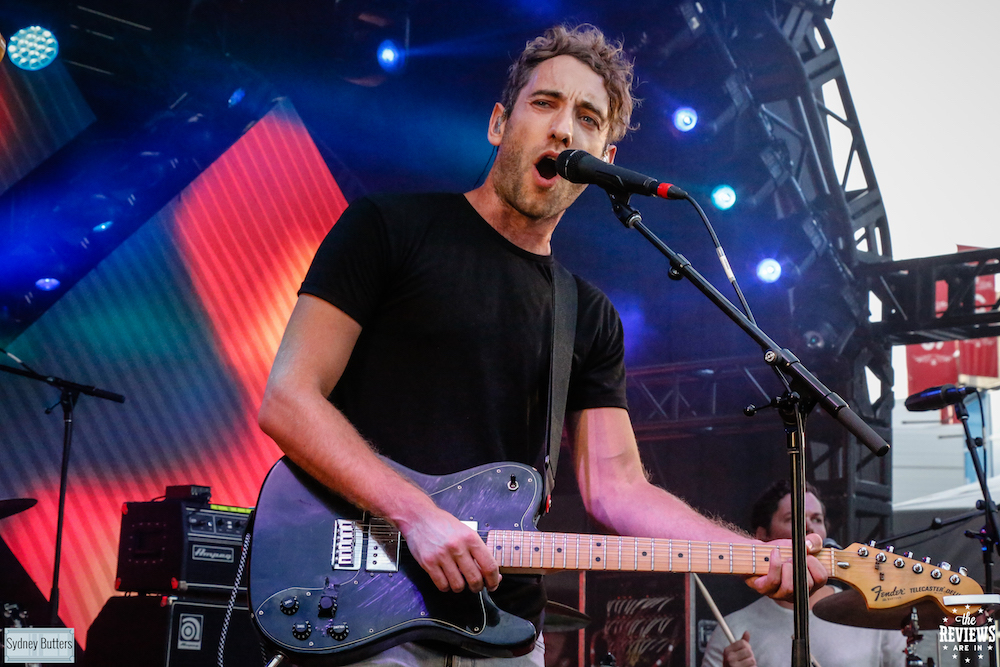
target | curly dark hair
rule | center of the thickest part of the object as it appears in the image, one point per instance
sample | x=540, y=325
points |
x=587, y=44
x=765, y=507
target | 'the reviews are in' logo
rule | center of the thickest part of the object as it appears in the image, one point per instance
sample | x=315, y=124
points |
x=968, y=634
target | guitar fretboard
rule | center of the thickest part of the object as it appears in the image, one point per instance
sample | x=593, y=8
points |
x=534, y=551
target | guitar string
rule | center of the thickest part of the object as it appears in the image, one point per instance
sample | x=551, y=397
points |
x=699, y=552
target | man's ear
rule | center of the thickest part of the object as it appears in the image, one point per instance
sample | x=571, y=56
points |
x=497, y=123
x=609, y=154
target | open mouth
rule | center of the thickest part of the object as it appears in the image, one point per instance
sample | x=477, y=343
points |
x=546, y=168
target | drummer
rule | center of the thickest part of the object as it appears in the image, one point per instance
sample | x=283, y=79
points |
x=765, y=627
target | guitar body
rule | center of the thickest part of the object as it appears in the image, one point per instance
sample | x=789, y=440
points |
x=326, y=584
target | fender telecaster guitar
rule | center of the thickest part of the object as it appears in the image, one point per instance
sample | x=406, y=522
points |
x=331, y=584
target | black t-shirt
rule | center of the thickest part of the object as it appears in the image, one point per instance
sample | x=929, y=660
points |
x=451, y=369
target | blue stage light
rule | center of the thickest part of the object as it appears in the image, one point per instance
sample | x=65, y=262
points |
x=724, y=197
x=47, y=284
x=237, y=97
x=685, y=119
x=104, y=226
x=768, y=270
x=32, y=48
x=390, y=56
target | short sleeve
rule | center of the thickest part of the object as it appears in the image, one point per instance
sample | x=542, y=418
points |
x=598, y=375
x=353, y=264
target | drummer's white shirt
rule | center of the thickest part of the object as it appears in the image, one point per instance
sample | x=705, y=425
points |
x=833, y=645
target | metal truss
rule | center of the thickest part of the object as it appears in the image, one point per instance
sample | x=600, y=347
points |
x=907, y=291
x=791, y=85
x=694, y=398
x=848, y=228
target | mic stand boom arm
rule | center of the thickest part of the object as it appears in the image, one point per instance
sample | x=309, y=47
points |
x=794, y=407
x=69, y=392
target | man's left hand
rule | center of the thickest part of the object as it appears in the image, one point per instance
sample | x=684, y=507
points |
x=778, y=583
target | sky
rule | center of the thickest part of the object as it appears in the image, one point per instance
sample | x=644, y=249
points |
x=922, y=77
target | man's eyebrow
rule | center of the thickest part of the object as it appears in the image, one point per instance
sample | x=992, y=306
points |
x=557, y=94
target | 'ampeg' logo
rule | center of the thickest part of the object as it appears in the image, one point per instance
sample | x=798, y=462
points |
x=213, y=554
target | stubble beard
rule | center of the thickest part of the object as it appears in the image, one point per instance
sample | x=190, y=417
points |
x=509, y=182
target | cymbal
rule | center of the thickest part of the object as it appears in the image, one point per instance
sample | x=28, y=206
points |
x=848, y=608
x=15, y=505
x=563, y=618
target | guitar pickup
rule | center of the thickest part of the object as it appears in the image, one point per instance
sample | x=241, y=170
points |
x=382, y=554
x=347, y=537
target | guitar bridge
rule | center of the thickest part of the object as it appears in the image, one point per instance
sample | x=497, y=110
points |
x=347, y=537
x=383, y=546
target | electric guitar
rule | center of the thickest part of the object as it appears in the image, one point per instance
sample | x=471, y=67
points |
x=333, y=585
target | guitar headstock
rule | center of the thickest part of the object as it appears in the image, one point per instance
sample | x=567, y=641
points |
x=887, y=580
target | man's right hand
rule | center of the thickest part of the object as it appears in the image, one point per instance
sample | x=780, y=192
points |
x=739, y=653
x=452, y=554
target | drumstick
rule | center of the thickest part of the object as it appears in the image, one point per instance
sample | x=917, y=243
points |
x=722, y=621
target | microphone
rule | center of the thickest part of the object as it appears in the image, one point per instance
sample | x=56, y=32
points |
x=936, y=398
x=579, y=166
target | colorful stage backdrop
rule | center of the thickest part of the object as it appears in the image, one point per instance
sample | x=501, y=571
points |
x=184, y=319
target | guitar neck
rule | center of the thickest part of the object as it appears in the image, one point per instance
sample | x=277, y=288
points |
x=523, y=552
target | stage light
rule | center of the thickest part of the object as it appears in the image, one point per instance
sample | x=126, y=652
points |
x=768, y=270
x=236, y=97
x=104, y=226
x=47, y=284
x=32, y=48
x=3, y=47
x=724, y=197
x=685, y=119
x=390, y=57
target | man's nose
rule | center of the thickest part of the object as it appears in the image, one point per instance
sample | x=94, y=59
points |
x=562, y=127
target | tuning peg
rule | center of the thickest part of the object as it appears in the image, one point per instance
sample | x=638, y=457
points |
x=962, y=571
x=908, y=554
x=891, y=549
x=926, y=559
x=945, y=565
x=872, y=543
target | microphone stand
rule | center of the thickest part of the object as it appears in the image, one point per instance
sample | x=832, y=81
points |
x=988, y=535
x=69, y=392
x=794, y=406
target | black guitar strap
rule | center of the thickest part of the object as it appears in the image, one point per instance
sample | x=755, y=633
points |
x=564, y=302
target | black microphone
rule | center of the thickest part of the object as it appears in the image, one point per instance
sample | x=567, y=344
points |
x=936, y=398
x=579, y=166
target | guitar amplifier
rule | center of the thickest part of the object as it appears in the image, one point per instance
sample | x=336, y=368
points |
x=164, y=631
x=180, y=545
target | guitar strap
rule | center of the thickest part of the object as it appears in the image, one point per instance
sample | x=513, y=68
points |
x=564, y=307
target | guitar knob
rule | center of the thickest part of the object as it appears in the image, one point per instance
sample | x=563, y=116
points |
x=327, y=606
x=945, y=565
x=338, y=631
x=302, y=630
x=289, y=605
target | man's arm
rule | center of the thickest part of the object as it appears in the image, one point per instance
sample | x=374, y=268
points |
x=617, y=493
x=295, y=412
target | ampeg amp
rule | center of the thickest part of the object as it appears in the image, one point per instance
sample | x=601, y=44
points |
x=180, y=545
